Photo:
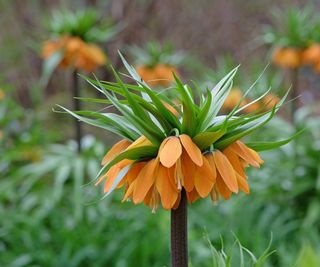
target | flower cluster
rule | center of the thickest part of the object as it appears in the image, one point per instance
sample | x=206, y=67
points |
x=236, y=96
x=287, y=57
x=291, y=57
x=75, y=53
x=155, y=63
x=160, y=74
x=180, y=164
x=311, y=56
x=295, y=37
x=169, y=147
x=73, y=40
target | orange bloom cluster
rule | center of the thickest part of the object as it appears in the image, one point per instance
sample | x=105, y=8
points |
x=2, y=95
x=76, y=53
x=236, y=95
x=287, y=57
x=160, y=74
x=180, y=164
x=311, y=56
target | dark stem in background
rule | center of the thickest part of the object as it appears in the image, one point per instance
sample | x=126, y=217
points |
x=294, y=92
x=179, y=233
x=76, y=107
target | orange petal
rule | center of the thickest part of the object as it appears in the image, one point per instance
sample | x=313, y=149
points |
x=111, y=176
x=243, y=184
x=167, y=193
x=141, y=141
x=154, y=199
x=235, y=161
x=255, y=155
x=226, y=170
x=115, y=150
x=188, y=169
x=222, y=189
x=129, y=191
x=192, y=196
x=148, y=196
x=145, y=180
x=204, y=178
x=172, y=175
x=193, y=151
x=214, y=194
x=210, y=159
x=134, y=171
x=176, y=205
x=242, y=151
x=170, y=152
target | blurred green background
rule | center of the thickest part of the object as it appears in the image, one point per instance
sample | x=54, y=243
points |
x=51, y=216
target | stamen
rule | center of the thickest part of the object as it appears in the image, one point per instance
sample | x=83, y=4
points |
x=179, y=184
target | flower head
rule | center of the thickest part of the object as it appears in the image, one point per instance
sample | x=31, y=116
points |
x=74, y=52
x=160, y=74
x=73, y=40
x=156, y=63
x=162, y=153
x=287, y=57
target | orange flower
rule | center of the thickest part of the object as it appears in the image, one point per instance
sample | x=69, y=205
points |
x=254, y=107
x=230, y=164
x=3, y=95
x=90, y=57
x=160, y=74
x=233, y=99
x=287, y=57
x=77, y=53
x=316, y=67
x=269, y=101
x=180, y=164
x=311, y=55
x=164, y=74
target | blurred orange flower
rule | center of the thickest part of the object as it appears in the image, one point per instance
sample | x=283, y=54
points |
x=311, y=55
x=287, y=57
x=2, y=94
x=269, y=101
x=233, y=99
x=76, y=53
x=160, y=74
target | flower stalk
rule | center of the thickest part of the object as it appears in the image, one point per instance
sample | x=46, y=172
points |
x=179, y=233
x=76, y=106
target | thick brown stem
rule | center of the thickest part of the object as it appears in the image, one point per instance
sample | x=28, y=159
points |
x=179, y=233
x=76, y=107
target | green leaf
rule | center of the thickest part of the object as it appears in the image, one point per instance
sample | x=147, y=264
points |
x=154, y=134
x=103, y=122
x=262, y=146
x=164, y=113
x=206, y=139
x=244, y=130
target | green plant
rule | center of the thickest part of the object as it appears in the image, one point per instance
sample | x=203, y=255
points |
x=85, y=24
x=153, y=53
x=291, y=28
